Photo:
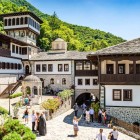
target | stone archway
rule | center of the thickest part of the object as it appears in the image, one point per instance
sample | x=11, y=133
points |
x=35, y=92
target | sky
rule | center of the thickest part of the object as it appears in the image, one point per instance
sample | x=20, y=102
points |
x=119, y=17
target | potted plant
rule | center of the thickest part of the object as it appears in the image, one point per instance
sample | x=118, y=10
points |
x=96, y=107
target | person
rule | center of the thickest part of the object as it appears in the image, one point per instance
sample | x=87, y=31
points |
x=91, y=112
x=83, y=106
x=44, y=115
x=101, y=135
x=26, y=100
x=103, y=117
x=114, y=134
x=26, y=115
x=87, y=116
x=37, y=121
x=84, y=113
x=99, y=115
x=42, y=125
x=33, y=120
x=75, y=109
x=75, y=125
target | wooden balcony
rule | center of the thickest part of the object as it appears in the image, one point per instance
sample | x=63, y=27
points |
x=112, y=79
x=4, y=52
x=86, y=73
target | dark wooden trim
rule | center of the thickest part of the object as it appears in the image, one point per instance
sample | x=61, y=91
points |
x=120, y=95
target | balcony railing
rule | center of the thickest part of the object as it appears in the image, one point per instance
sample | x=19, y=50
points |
x=120, y=78
x=86, y=73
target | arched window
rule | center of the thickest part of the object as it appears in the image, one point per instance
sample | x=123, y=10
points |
x=9, y=22
x=17, y=21
x=21, y=21
x=64, y=81
x=13, y=21
x=51, y=81
x=15, y=66
x=5, y=22
x=26, y=20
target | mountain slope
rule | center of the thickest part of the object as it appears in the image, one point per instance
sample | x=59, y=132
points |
x=78, y=37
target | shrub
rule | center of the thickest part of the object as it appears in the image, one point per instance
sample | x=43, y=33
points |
x=65, y=94
x=12, y=136
x=29, y=136
x=3, y=110
x=51, y=104
x=16, y=95
x=95, y=106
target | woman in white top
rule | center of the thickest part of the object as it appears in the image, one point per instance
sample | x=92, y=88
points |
x=87, y=116
x=114, y=134
x=75, y=124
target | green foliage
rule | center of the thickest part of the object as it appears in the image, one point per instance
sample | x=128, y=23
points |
x=95, y=106
x=65, y=94
x=51, y=104
x=3, y=110
x=78, y=37
x=16, y=95
x=12, y=136
x=14, y=129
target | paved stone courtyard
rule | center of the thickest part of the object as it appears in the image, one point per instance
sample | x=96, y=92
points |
x=61, y=128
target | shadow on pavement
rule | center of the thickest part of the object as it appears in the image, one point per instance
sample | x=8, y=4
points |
x=69, y=118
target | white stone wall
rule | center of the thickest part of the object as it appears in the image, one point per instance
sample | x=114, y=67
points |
x=135, y=95
x=125, y=113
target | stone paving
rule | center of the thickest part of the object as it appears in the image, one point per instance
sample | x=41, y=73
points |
x=61, y=128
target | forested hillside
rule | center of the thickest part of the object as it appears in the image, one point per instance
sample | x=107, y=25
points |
x=78, y=37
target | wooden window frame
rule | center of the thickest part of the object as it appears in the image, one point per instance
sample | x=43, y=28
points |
x=60, y=70
x=114, y=94
x=124, y=71
x=49, y=67
x=43, y=66
x=78, y=82
x=39, y=68
x=65, y=67
x=124, y=99
x=94, y=82
x=109, y=72
x=89, y=82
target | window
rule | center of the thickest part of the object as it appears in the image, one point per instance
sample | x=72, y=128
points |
x=13, y=48
x=95, y=82
x=50, y=67
x=109, y=68
x=79, y=66
x=37, y=68
x=5, y=22
x=94, y=67
x=8, y=65
x=9, y=22
x=21, y=21
x=17, y=49
x=0, y=65
x=13, y=21
x=3, y=65
x=87, y=81
x=80, y=81
x=17, y=21
x=127, y=94
x=87, y=65
x=16, y=66
x=20, y=50
x=64, y=81
x=44, y=68
x=117, y=95
x=26, y=20
x=19, y=66
x=121, y=68
x=66, y=67
x=12, y=66
x=51, y=81
x=137, y=68
x=131, y=68
x=24, y=51
x=60, y=67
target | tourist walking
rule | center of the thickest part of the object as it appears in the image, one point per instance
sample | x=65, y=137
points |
x=33, y=120
x=87, y=116
x=83, y=106
x=99, y=116
x=101, y=135
x=84, y=113
x=75, y=125
x=42, y=125
x=114, y=134
x=26, y=115
x=75, y=107
x=91, y=112
x=103, y=117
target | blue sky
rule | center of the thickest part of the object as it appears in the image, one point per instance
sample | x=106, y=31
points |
x=120, y=17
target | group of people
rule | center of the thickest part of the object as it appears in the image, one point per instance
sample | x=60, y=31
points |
x=38, y=121
x=88, y=114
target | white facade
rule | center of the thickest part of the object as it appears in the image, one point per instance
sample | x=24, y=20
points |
x=55, y=67
x=135, y=95
x=84, y=86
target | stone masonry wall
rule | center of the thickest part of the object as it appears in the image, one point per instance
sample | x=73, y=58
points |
x=127, y=114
